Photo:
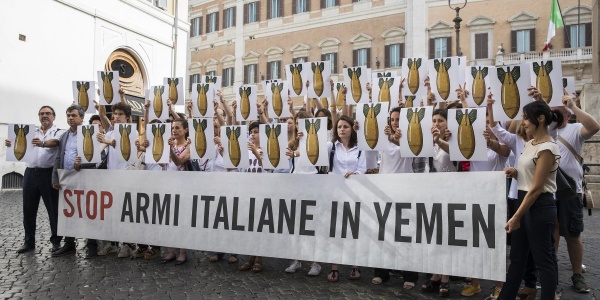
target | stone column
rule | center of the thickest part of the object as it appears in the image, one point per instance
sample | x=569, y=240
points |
x=240, y=44
x=416, y=29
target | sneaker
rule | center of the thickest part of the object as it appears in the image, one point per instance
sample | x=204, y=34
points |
x=315, y=269
x=494, y=294
x=579, y=284
x=138, y=253
x=107, y=248
x=152, y=254
x=125, y=251
x=295, y=266
x=471, y=290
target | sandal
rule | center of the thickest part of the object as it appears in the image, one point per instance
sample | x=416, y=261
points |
x=444, y=289
x=376, y=280
x=257, y=268
x=408, y=285
x=247, y=266
x=333, y=276
x=527, y=296
x=232, y=259
x=431, y=286
x=214, y=258
x=354, y=274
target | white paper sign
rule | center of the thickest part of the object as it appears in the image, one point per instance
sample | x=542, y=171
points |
x=318, y=76
x=158, y=135
x=109, y=87
x=273, y=142
x=125, y=136
x=246, y=97
x=415, y=125
x=276, y=93
x=414, y=72
x=235, y=146
x=174, y=89
x=386, y=89
x=202, y=135
x=478, y=82
x=338, y=95
x=356, y=80
x=203, y=98
x=296, y=76
x=158, y=103
x=88, y=147
x=445, y=74
x=21, y=149
x=216, y=80
x=569, y=84
x=546, y=76
x=372, y=118
x=84, y=94
x=313, y=144
x=467, y=141
x=509, y=90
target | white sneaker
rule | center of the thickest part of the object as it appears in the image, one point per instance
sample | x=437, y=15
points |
x=295, y=266
x=107, y=248
x=315, y=269
x=125, y=251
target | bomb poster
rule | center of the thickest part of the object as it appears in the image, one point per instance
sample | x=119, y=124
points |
x=313, y=143
x=296, y=76
x=569, y=85
x=88, y=146
x=338, y=95
x=158, y=151
x=384, y=74
x=372, y=118
x=202, y=136
x=478, y=83
x=84, y=95
x=546, y=76
x=246, y=98
x=415, y=125
x=276, y=93
x=215, y=80
x=108, y=84
x=356, y=80
x=21, y=149
x=386, y=89
x=158, y=103
x=125, y=136
x=414, y=73
x=174, y=89
x=273, y=142
x=467, y=141
x=445, y=74
x=318, y=76
x=234, y=140
x=509, y=86
x=203, y=98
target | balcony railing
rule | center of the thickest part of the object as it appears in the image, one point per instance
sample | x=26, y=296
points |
x=567, y=56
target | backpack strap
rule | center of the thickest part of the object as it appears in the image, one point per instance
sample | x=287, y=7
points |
x=571, y=149
x=331, y=155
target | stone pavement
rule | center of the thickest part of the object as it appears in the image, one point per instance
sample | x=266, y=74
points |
x=36, y=275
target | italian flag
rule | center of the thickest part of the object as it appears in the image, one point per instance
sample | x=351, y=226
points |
x=556, y=21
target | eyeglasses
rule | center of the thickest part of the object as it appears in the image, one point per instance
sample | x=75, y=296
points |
x=45, y=113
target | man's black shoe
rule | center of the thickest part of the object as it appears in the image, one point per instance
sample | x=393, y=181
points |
x=91, y=253
x=65, y=250
x=55, y=247
x=25, y=248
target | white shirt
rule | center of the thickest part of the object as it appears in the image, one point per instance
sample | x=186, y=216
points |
x=393, y=162
x=495, y=162
x=300, y=169
x=112, y=163
x=568, y=163
x=441, y=160
x=345, y=161
x=151, y=167
x=527, y=165
x=516, y=145
x=46, y=156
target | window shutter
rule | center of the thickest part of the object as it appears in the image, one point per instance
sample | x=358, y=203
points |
x=268, y=9
x=234, y=15
x=337, y=2
x=256, y=73
x=513, y=41
x=162, y=4
x=225, y=18
x=588, y=34
x=335, y=63
x=191, y=82
x=322, y=57
x=294, y=6
x=308, y=5
x=354, y=58
x=566, y=32
x=269, y=70
x=246, y=13
x=199, y=26
x=402, y=54
x=323, y=4
x=258, y=11
x=246, y=74
x=208, y=23
x=431, y=48
x=368, y=57
x=485, y=51
x=449, y=46
x=532, y=39
x=280, y=15
x=387, y=58
x=192, y=28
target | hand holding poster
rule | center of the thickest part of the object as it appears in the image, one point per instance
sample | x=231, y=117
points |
x=246, y=98
x=372, y=118
x=175, y=89
x=158, y=135
x=276, y=93
x=356, y=80
x=547, y=75
x=158, y=104
x=509, y=90
x=234, y=140
x=20, y=138
x=319, y=74
x=84, y=94
x=416, y=139
x=467, y=141
x=273, y=142
x=125, y=137
x=296, y=75
x=477, y=84
x=88, y=146
x=203, y=98
x=313, y=143
x=569, y=85
x=109, y=87
x=202, y=134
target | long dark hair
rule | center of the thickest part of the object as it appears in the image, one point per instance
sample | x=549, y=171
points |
x=535, y=109
x=293, y=144
x=327, y=114
x=353, y=136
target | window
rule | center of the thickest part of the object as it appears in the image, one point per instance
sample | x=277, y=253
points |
x=211, y=73
x=194, y=78
x=251, y=12
x=229, y=17
x=227, y=76
x=576, y=39
x=441, y=47
x=195, y=28
x=361, y=57
x=481, y=46
x=522, y=40
x=159, y=3
x=212, y=22
x=332, y=57
x=300, y=6
x=273, y=69
x=298, y=60
x=329, y=3
x=393, y=55
x=274, y=9
x=250, y=74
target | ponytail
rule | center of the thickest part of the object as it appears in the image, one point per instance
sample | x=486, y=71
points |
x=557, y=117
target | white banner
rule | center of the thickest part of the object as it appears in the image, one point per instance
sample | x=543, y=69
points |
x=427, y=222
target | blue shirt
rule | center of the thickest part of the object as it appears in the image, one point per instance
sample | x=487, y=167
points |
x=70, y=150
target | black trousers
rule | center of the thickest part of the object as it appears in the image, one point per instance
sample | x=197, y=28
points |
x=384, y=274
x=37, y=183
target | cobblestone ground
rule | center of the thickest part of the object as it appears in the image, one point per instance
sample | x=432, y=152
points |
x=36, y=275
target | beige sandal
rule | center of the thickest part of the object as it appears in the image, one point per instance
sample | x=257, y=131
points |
x=232, y=259
x=376, y=280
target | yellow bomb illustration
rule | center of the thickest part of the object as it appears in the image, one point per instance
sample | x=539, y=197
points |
x=200, y=137
x=466, y=135
x=125, y=131
x=88, y=144
x=371, y=128
x=413, y=74
x=384, y=89
x=355, y=86
x=107, y=87
x=273, y=132
x=210, y=79
x=478, y=88
x=340, y=100
x=20, y=141
x=82, y=95
x=317, y=69
x=296, y=78
x=312, y=139
x=276, y=89
x=173, y=95
x=415, y=131
x=245, y=101
x=409, y=101
x=511, y=100
x=157, y=103
x=443, y=78
x=325, y=102
x=543, y=81
x=233, y=145
x=202, y=101
x=158, y=145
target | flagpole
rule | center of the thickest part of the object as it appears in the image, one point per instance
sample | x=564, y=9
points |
x=565, y=27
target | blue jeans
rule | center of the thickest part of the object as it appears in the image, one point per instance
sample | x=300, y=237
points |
x=535, y=236
x=38, y=183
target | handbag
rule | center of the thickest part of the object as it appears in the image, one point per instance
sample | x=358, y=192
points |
x=588, y=201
